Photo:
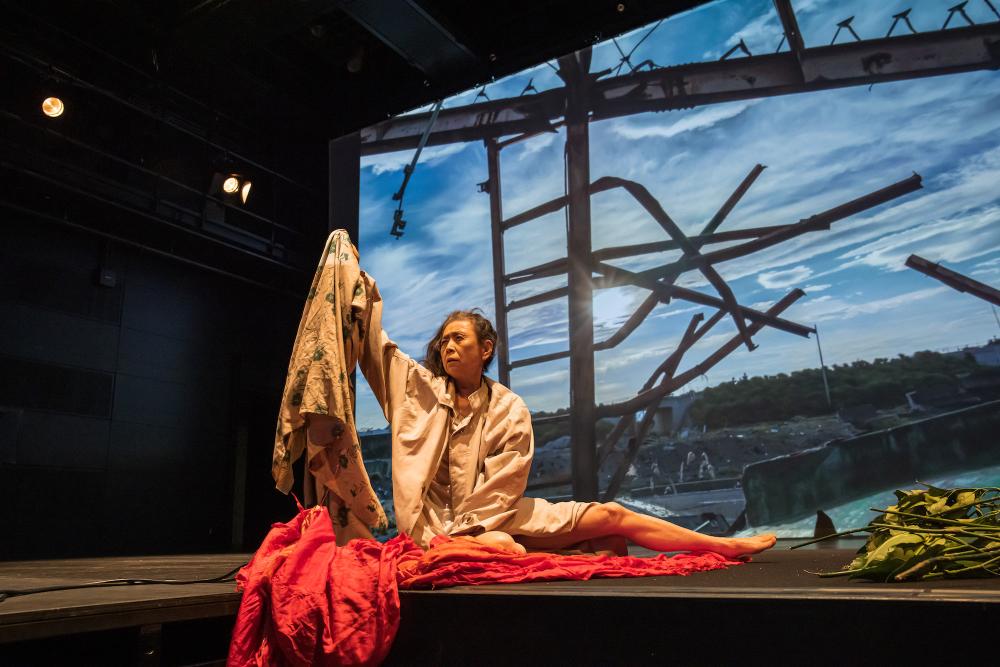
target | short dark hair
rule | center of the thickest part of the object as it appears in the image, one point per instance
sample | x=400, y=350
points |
x=484, y=331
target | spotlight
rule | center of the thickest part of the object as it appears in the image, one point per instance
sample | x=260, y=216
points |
x=53, y=107
x=230, y=185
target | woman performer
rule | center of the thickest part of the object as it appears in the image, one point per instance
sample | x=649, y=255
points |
x=462, y=447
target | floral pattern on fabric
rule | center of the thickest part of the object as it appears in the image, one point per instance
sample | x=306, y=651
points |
x=318, y=383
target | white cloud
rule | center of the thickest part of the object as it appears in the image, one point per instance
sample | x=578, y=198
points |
x=387, y=162
x=962, y=237
x=784, y=278
x=810, y=289
x=988, y=268
x=537, y=144
x=826, y=307
x=672, y=311
x=544, y=378
x=693, y=120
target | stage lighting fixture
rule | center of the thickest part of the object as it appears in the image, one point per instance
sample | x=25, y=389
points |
x=231, y=184
x=245, y=191
x=53, y=107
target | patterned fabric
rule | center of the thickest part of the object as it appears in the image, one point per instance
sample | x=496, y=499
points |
x=318, y=387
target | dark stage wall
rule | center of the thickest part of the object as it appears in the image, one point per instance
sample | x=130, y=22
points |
x=125, y=411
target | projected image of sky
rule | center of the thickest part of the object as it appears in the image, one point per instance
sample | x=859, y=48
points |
x=820, y=149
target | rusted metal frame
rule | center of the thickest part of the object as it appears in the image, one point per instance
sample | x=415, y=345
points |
x=707, y=235
x=617, y=252
x=472, y=122
x=558, y=266
x=650, y=301
x=574, y=69
x=536, y=299
x=540, y=359
x=553, y=205
x=818, y=221
x=641, y=312
x=821, y=68
x=608, y=445
x=667, y=368
x=691, y=253
x=954, y=279
x=720, y=215
x=631, y=324
x=549, y=420
x=528, y=135
x=619, y=276
x=634, y=443
x=690, y=247
x=687, y=340
x=790, y=26
x=499, y=288
x=545, y=270
x=781, y=234
x=536, y=212
x=647, y=398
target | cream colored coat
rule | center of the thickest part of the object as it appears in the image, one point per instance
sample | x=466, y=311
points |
x=420, y=408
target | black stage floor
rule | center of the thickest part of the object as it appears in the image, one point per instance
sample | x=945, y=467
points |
x=771, y=604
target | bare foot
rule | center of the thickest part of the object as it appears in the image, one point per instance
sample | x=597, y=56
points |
x=736, y=547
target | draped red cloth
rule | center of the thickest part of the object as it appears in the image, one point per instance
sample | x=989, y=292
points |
x=307, y=601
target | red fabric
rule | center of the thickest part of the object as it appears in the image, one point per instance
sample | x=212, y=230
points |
x=307, y=601
x=464, y=561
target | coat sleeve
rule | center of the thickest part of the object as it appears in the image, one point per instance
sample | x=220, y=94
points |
x=503, y=478
x=384, y=366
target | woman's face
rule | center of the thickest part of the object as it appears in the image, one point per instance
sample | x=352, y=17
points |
x=462, y=354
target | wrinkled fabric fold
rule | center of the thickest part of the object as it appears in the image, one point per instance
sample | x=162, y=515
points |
x=318, y=386
x=307, y=601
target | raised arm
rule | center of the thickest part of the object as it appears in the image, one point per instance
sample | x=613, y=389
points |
x=384, y=366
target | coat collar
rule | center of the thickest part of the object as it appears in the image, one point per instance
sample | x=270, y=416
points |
x=479, y=398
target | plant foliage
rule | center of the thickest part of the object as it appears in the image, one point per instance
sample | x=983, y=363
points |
x=930, y=533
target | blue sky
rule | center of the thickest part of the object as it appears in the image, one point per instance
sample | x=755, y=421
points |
x=820, y=149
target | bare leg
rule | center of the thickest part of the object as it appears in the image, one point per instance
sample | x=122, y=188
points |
x=647, y=531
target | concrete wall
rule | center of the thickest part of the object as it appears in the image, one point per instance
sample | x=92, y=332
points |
x=671, y=413
x=793, y=487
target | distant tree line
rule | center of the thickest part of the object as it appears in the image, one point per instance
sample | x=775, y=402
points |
x=882, y=383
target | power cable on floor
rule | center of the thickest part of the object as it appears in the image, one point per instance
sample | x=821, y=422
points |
x=228, y=576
